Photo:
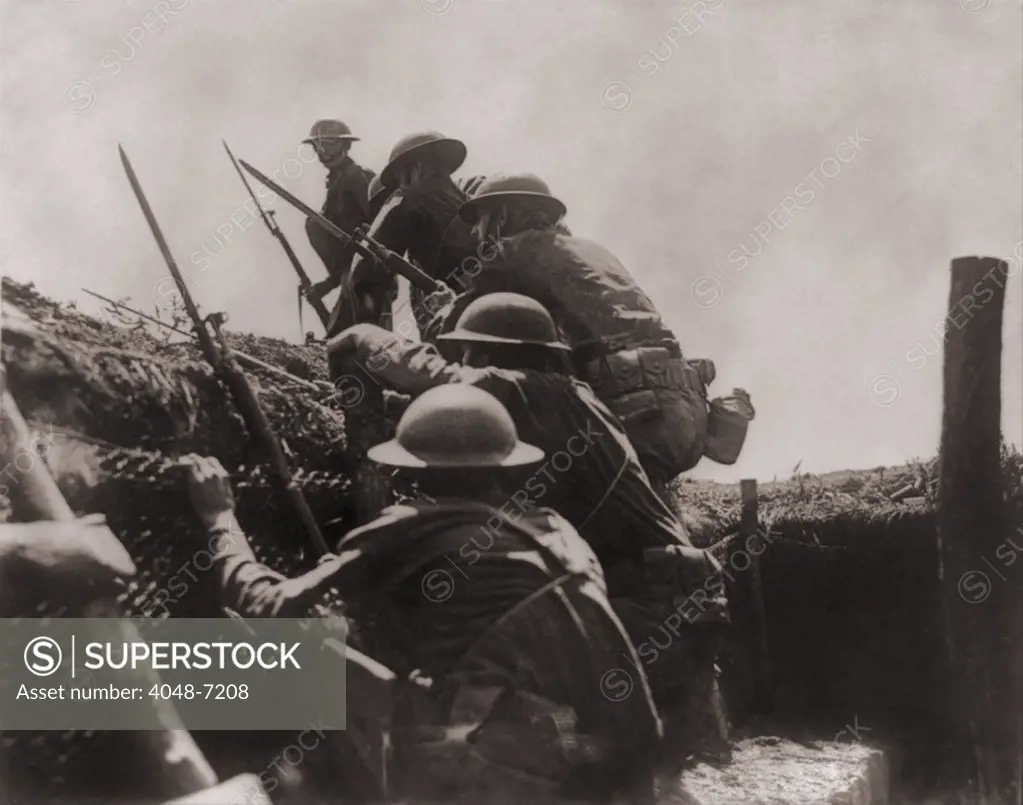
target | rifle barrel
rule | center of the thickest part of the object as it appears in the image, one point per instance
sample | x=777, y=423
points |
x=270, y=223
x=415, y=275
x=222, y=361
x=277, y=232
x=205, y=341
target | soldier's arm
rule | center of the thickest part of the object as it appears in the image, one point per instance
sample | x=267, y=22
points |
x=357, y=185
x=248, y=586
x=406, y=367
x=253, y=589
x=327, y=248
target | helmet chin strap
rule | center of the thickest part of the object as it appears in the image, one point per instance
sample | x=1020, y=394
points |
x=495, y=227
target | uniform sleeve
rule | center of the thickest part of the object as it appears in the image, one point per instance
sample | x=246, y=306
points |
x=525, y=277
x=357, y=184
x=326, y=246
x=404, y=366
x=254, y=590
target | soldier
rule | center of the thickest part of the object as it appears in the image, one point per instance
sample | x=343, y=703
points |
x=421, y=213
x=621, y=346
x=524, y=615
x=593, y=478
x=347, y=202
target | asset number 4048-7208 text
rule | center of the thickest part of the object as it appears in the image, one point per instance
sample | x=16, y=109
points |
x=209, y=691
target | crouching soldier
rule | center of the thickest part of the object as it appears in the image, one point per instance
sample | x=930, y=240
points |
x=346, y=204
x=509, y=347
x=621, y=346
x=419, y=218
x=508, y=617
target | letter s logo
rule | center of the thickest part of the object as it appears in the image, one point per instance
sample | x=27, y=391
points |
x=43, y=656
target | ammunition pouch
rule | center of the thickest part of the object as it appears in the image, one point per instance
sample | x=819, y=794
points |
x=628, y=381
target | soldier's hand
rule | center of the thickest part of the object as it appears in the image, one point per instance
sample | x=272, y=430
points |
x=439, y=299
x=318, y=290
x=209, y=489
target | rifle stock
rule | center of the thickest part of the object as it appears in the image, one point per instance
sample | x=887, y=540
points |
x=219, y=355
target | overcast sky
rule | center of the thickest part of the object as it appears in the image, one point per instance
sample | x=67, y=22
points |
x=787, y=180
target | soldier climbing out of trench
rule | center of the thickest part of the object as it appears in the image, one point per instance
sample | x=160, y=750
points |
x=514, y=639
x=509, y=347
x=620, y=344
x=419, y=218
x=346, y=204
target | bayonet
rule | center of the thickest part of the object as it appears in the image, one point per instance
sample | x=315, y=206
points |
x=361, y=242
x=220, y=356
x=268, y=218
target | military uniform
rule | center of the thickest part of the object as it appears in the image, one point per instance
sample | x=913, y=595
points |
x=346, y=206
x=604, y=493
x=420, y=219
x=524, y=615
x=594, y=479
x=622, y=347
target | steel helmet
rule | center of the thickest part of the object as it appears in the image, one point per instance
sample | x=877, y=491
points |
x=426, y=146
x=455, y=425
x=329, y=130
x=506, y=318
x=525, y=186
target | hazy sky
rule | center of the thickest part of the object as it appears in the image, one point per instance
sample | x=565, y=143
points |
x=787, y=180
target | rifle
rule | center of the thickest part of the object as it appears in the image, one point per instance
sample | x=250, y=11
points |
x=268, y=218
x=365, y=245
x=221, y=358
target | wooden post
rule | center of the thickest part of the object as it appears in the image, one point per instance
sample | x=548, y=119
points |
x=981, y=600
x=753, y=547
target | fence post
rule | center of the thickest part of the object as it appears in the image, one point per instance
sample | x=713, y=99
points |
x=981, y=604
x=763, y=686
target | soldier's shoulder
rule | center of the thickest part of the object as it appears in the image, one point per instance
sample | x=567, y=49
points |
x=561, y=538
x=352, y=173
x=372, y=532
x=584, y=245
x=502, y=383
